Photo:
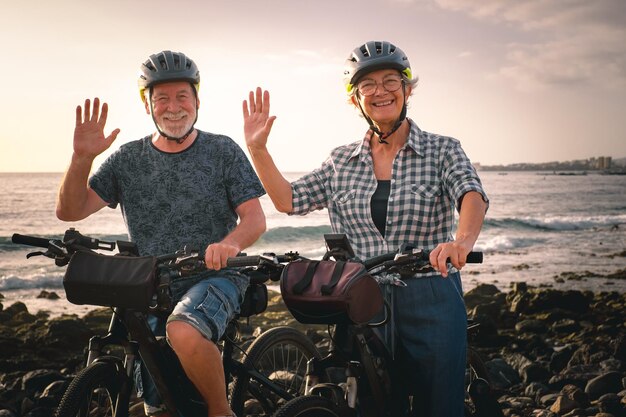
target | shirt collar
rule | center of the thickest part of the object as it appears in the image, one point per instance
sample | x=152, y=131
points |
x=363, y=149
x=413, y=141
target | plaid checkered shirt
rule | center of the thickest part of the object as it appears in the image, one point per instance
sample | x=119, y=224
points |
x=429, y=176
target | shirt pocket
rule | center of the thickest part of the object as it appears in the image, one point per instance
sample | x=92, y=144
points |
x=343, y=197
x=347, y=207
x=426, y=191
x=423, y=202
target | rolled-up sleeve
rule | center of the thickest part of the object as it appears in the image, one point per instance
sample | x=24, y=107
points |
x=459, y=174
x=309, y=192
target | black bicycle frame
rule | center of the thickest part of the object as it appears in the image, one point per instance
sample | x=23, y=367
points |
x=130, y=330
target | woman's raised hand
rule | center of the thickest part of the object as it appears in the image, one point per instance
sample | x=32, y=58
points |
x=89, y=139
x=257, y=123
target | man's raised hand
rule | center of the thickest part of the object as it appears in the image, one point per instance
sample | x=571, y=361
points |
x=89, y=139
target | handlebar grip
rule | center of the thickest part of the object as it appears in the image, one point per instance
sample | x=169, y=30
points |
x=474, y=258
x=30, y=240
x=241, y=261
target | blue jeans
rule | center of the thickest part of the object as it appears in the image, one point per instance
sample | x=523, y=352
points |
x=208, y=306
x=430, y=329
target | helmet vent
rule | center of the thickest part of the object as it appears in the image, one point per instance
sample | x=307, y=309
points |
x=372, y=56
x=162, y=62
x=379, y=48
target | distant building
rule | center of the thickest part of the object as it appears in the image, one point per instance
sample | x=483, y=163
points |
x=601, y=163
x=605, y=162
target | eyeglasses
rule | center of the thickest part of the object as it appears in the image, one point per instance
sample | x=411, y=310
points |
x=368, y=87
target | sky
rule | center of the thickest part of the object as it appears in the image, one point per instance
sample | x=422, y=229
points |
x=514, y=80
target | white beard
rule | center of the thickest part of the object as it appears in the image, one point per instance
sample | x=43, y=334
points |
x=174, y=128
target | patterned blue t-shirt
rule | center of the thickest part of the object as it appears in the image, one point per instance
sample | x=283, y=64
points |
x=170, y=200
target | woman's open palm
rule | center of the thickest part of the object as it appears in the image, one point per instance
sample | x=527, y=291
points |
x=257, y=123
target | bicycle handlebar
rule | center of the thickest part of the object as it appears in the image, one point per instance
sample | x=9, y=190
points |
x=61, y=250
x=421, y=255
x=474, y=258
x=30, y=241
x=183, y=262
x=409, y=262
x=257, y=260
x=188, y=260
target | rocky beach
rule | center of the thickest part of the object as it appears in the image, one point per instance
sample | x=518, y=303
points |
x=549, y=352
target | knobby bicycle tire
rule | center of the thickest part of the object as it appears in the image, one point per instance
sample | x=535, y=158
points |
x=480, y=400
x=281, y=355
x=93, y=392
x=309, y=406
x=477, y=365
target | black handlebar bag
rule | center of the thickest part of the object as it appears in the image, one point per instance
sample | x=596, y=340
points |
x=328, y=292
x=110, y=281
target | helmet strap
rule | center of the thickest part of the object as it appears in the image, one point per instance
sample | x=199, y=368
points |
x=383, y=136
x=178, y=140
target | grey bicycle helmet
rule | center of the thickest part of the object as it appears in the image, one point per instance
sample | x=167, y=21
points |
x=167, y=66
x=372, y=56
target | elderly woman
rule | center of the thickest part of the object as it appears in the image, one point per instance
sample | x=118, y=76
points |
x=398, y=185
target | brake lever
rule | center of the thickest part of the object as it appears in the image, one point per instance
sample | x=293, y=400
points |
x=411, y=262
x=38, y=253
x=55, y=251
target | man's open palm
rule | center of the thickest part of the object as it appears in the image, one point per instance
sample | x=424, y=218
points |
x=89, y=139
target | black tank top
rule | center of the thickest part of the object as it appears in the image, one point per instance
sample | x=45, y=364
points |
x=379, y=203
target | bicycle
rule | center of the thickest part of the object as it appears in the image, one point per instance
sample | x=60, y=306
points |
x=366, y=388
x=270, y=373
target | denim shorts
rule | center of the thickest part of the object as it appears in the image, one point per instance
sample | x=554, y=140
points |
x=208, y=306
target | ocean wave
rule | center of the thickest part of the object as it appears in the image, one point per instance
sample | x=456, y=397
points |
x=294, y=234
x=32, y=281
x=558, y=223
x=503, y=243
x=314, y=234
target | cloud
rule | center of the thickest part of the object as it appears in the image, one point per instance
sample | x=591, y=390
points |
x=570, y=41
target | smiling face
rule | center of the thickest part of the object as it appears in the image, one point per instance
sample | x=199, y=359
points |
x=174, y=106
x=381, y=105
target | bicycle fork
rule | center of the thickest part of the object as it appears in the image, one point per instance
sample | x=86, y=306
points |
x=124, y=369
x=370, y=371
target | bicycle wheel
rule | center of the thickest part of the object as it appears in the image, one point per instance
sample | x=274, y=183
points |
x=479, y=399
x=309, y=406
x=93, y=392
x=280, y=354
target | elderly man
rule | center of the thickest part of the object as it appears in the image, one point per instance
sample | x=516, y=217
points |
x=178, y=186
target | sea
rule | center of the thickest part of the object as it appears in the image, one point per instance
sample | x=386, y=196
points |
x=542, y=228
